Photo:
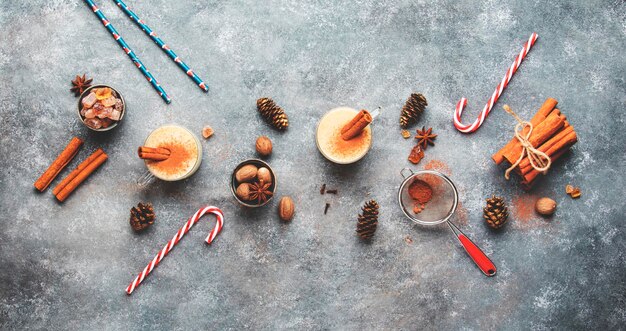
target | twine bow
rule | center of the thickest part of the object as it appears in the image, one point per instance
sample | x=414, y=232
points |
x=539, y=160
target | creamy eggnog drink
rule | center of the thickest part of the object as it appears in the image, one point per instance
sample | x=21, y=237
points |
x=336, y=148
x=185, y=153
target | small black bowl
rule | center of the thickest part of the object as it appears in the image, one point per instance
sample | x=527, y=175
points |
x=86, y=93
x=259, y=164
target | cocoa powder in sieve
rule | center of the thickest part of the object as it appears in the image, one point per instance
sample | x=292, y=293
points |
x=420, y=191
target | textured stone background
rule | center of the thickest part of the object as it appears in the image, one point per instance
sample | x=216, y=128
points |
x=65, y=266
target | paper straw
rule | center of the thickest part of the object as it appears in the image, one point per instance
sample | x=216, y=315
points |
x=162, y=45
x=128, y=51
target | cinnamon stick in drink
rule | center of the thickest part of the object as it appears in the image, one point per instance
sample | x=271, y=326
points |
x=79, y=175
x=153, y=153
x=356, y=125
x=59, y=164
x=539, y=117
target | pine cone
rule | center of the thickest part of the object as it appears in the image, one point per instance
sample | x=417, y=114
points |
x=141, y=216
x=495, y=213
x=412, y=109
x=368, y=221
x=272, y=113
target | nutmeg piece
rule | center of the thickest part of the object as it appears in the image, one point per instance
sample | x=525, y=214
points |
x=243, y=191
x=545, y=206
x=286, y=209
x=246, y=173
x=264, y=146
x=265, y=175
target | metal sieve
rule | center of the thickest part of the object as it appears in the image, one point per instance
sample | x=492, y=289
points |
x=440, y=209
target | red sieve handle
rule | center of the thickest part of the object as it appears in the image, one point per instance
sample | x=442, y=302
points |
x=482, y=261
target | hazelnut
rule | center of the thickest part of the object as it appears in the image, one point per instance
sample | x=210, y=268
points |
x=264, y=146
x=286, y=209
x=545, y=206
x=264, y=174
x=246, y=173
x=243, y=191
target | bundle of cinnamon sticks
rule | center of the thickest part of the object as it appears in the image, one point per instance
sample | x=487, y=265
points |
x=552, y=134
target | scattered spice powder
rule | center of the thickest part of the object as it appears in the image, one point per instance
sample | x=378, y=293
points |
x=462, y=215
x=524, y=207
x=438, y=165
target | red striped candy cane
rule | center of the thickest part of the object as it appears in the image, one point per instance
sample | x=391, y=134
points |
x=467, y=128
x=179, y=235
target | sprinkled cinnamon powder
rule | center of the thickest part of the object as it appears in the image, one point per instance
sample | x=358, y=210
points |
x=348, y=148
x=178, y=160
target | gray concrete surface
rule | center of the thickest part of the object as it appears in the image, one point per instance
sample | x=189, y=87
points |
x=65, y=266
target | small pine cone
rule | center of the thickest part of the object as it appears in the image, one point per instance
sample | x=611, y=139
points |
x=412, y=109
x=272, y=113
x=368, y=221
x=141, y=216
x=495, y=213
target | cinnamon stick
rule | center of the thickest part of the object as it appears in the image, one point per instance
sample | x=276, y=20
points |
x=78, y=175
x=59, y=164
x=564, y=139
x=153, y=153
x=539, y=117
x=542, y=132
x=356, y=125
x=529, y=178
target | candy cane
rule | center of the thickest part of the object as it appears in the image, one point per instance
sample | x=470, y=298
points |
x=179, y=235
x=467, y=128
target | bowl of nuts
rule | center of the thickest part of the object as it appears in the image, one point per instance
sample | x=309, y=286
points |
x=101, y=107
x=253, y=183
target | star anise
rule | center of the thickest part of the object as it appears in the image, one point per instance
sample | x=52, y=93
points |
x=260, y=191
x=80, y=84
x=425, y=137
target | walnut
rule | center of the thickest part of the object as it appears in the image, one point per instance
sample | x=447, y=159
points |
x=264, y=146
x=545, y=206
x=286, y=209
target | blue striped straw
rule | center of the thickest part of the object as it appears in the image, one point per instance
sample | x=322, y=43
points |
x=162, y=44
x=128, y=51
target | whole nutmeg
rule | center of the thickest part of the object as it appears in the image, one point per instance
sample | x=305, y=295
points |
x=545, y=206
x=286, y=209
x=264, y=146
x=265, y=175
x=246, y=173
x=243, y=191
